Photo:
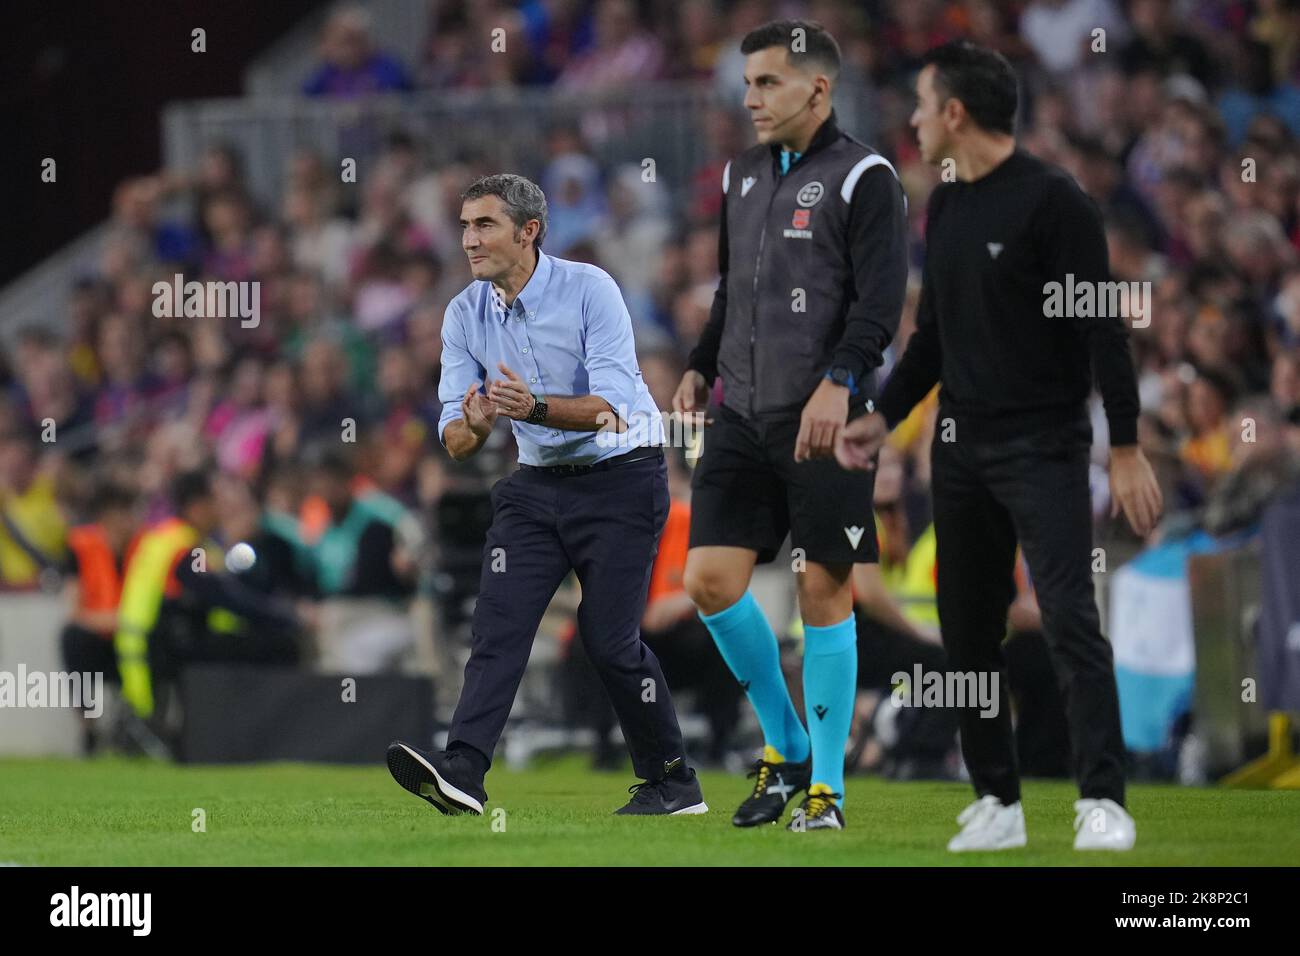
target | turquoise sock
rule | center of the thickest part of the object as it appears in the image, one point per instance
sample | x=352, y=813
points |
x=749, y=647
x=830, y=680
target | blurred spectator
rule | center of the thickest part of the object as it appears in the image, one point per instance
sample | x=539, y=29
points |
x=97, y=556
x=32, y=527
x=359, y=552
x=624, y=52
x=350, y=64
x=365, y=559
x=1159, y=42
x=1060, y=32
x=556, y=32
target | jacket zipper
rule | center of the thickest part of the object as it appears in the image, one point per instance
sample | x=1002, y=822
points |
x=753, y=323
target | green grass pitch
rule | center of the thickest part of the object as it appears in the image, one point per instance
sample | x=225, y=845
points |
x=115, y=811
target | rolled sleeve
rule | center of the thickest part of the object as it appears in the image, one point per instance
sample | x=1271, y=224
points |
x=459, y=369
x=610, y=347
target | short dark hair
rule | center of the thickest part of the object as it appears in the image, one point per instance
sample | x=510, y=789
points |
x=522, y=197
x=112, y=495
x=980, y=78
x=819, y=48
x=189, y=487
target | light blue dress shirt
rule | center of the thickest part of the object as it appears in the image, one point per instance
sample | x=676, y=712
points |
x=569, y=334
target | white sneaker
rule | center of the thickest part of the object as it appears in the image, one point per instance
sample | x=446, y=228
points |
x=1103, y=825
x=988, y=825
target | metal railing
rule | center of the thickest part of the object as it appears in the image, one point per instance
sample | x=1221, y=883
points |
x=666, y=122
x=506, y=129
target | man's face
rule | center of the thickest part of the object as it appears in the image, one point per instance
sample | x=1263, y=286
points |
x=928, y=118
x=118, y=525
x=490, y=240
x=776, y=93
x=202, y=514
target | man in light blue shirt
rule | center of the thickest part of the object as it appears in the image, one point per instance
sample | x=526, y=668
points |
x=565, y=339
x=552, y=342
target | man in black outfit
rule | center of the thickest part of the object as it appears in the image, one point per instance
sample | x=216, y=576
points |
x=1010, y=456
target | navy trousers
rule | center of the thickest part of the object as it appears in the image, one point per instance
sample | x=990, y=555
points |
x=605, y=526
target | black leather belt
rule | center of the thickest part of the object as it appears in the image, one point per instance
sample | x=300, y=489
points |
x=636, y=454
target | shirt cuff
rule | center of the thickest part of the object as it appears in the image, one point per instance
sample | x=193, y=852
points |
x=1123, y=431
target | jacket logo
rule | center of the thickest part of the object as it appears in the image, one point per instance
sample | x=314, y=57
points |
x=810, y=194
x=821, y=711
x=994, y=248
x=854, y=534
x=746, y=185
x=801, y=218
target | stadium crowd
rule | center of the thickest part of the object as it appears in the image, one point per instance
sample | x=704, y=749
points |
x=317, y=423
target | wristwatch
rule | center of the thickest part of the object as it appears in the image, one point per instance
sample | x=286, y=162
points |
x=842, y=376
x=538, y=414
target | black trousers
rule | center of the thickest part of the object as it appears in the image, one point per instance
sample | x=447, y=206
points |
x=605, y=526
x=690, y=660
x=85, y=650
x=987, y=496
x=1042, y=730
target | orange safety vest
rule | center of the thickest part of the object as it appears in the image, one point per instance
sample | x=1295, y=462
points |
x=99, y=578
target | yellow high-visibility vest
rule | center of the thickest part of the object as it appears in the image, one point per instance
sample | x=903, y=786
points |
x=912, y=582
x=143, y=590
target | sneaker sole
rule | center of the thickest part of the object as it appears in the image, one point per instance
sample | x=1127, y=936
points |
x=416, y=775
x=691, y=810
x=823, y=826
x=1100, y=847
x=1007, y=844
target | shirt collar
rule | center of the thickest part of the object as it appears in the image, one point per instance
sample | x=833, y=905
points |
x=530, y=296
x=826, y=134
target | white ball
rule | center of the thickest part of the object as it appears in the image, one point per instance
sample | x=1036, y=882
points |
x=241, y=557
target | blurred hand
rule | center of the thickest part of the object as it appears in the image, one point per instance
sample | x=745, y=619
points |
x=692, y=396
x=1134, y=489
x=822, y=421
x=479, y=412
x=859, y=441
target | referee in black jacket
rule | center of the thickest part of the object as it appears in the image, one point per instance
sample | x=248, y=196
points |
x=1010, y=456
x=813, y=256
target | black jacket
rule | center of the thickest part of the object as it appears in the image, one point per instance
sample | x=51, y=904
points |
x=814, y=271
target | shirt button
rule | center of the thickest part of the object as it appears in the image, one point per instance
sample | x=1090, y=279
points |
x=555, y=434
x=532, y=314
x=525, y=348
x=533, y=379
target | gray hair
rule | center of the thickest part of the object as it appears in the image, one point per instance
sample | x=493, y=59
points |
x=523, y=199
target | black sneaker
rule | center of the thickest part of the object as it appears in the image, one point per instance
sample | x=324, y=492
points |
x=775, y=786
x=819, y=811
x=673, y=794
x=444, y=778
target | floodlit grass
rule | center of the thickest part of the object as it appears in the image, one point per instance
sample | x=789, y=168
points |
x=122, y=812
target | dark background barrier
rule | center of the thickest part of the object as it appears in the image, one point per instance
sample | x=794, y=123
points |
x=237, y=714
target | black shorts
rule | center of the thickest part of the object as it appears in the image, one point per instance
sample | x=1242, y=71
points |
x=748, y=492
